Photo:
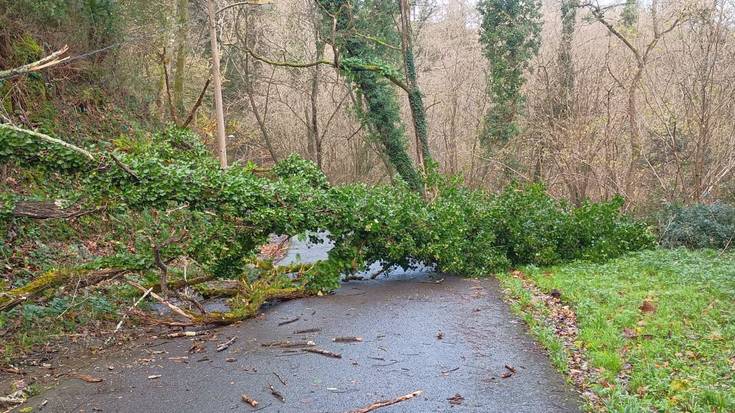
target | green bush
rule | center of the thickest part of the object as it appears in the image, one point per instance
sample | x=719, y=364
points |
x=530, y=225
x=601, y=232
x=697, y=226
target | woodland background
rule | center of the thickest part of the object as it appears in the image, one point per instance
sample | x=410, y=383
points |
x=642, y=106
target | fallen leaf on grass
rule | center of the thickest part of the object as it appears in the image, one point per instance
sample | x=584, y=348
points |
x=648, y=307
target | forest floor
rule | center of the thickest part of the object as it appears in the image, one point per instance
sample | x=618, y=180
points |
x=455, y=340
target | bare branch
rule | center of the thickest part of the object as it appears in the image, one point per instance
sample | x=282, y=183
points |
x=47, y=138
x=51, y=60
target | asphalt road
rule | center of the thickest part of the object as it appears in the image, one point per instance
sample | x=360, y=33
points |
x=444, y=338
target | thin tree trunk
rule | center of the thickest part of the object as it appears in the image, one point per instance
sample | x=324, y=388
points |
x=182, y=21
x=415, y=98
x=217, y=83
x=635, y=132
x=315, y=138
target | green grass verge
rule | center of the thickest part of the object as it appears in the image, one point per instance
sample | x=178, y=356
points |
x=678, y=358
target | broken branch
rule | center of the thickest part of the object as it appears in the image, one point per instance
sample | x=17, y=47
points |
x=323, y=352
x=384, y=403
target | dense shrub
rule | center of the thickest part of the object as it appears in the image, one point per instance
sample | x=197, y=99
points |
x=697, y=226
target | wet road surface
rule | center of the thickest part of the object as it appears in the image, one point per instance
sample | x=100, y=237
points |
x=444, y=338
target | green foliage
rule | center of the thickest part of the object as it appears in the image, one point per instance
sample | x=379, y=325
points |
x=178, y=188
x=295, y=167
x=677, y=358
x=534, y=228
x=630, y=13
x=25, y=50
x=44, y=11
x=99, y=19
x=511, y=35
x=698, y=226
x=102, y=20
x=166, y=193
x=602, y=232
x=27, y=151
x=367, y=63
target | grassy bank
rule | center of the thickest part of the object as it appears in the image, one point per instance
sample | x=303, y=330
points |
x=657, y=327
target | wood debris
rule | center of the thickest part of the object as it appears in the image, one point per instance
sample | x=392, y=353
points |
x=510, y=372
x=249, y=400
x=308, y=330
x=289, y=344
x=280, y=378
x=347, y=339
x=276, y=394
x=283, y=323
x=224, y=346
x=13, y=399
x=456, y=400
x=323, y=352
x=384, y=403
x=197, y=347
x=187, y=334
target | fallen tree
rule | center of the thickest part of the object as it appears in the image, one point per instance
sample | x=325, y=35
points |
x=170, y=201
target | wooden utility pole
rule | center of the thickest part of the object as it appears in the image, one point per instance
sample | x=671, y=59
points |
x=217, y=83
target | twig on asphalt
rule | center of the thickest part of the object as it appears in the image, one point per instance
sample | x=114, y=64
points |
x=384, y=403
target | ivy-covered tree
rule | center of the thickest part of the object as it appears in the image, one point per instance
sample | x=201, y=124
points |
x=510, y=35
x=363, y=32
x=566, y=64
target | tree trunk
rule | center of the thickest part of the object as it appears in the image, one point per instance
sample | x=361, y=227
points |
x=315, y=139
x=635, y=132
x=566, y=63
x=182, y=21
x=217, y=83
x=415, y=98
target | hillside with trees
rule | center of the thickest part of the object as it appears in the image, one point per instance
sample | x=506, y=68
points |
x=167, y=154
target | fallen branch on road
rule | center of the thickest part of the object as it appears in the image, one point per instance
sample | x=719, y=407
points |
x=384, y=403
x=323, y=352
